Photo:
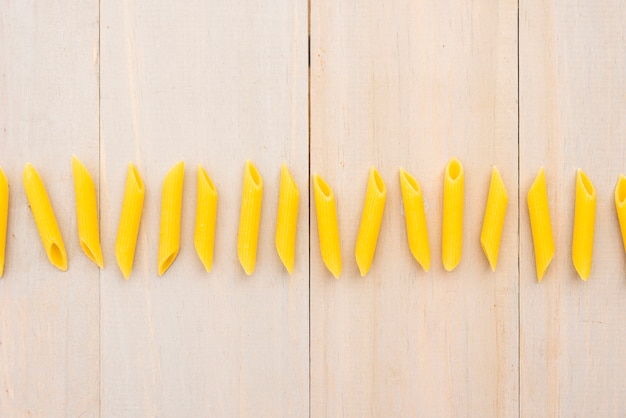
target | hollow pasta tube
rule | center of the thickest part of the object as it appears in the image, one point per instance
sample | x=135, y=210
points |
x=206, y=216
x=453, y=197
x=249, y=218
x=4, y=214
x=620, y=205
x=171, y=211
x=584, y=220
x=540, y=223
x=416, y=228
x=87, y=212
x=371, y=220
x=493, y=221
x=130, y=220
x=327, y=226
x=44, y=218
x=288, y=201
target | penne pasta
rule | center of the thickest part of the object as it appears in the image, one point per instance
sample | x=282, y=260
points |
x=327, y=226
x=416, y=229
x=171, y=211
x=249, y=218
x=620, y=205
x=493, y=221
x=44, y=218
x=87, y=212
x=453, y=197
x=584, y=220
x=288, y=201
x=371, y=220
x=4, y=214
x=206, y=216
x=130, y=220
x=540, y=223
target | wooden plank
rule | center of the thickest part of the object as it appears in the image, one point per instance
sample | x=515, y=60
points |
x=211, y=83
x=49, y=332
x=572, y=104
x=412, y=84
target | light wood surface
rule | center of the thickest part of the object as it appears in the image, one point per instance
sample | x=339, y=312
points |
x=50, y=321
x=572, y=107
x=391, y=84
x=214, y=84
x=413, y=84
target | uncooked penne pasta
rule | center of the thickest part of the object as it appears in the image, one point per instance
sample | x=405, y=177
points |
x=206, y=216
x=130, y=220
x=171, y=211
x=327, y=226
x=540, y=224
x=584, y=222
x=371, y=220
x=87, y=212
x=620, y=205
x=453, y=197
x=249, y=218
x=44, y=218
x=416, y=228
x=288, y=201
x=4, y=214
x=493, y=221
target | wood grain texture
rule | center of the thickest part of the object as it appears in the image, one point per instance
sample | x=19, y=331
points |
x=404, y=83
x=49, y=331
x=211, y=83
x=572, y=103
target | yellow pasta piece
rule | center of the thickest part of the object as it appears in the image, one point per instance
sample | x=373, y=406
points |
x=620, y=205
x=540, y=224
x=4, y=214
x=416, y=229
x=87, y=212
x=130, y=220
x=584, y=220
x=453, y=197
x=288, y=201
x=327, y=226
x=493, y=221
x=250, y=218
x=171, y=211
x=371, y=220
x=206, y=216
x=44, y=218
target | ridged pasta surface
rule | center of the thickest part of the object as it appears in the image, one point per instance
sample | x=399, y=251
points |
x=415, y=216
x=287, y=219
x=87, y=212
x=453, y=201
x=171, y=211
x=584, y=224
x=493, y=222
x=44, y=218
x=539, y=212
x=250, y=218
x=371, y=220
x=130, y=219
x=327, y=225
x=206, y=217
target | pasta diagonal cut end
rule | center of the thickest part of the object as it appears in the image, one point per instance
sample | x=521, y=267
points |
x=167, y=262
x=94, y=254
x=57, y=257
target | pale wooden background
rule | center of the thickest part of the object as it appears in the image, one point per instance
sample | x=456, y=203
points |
x=518, y=84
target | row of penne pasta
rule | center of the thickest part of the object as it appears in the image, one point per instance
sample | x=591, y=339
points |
x=328, y=230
